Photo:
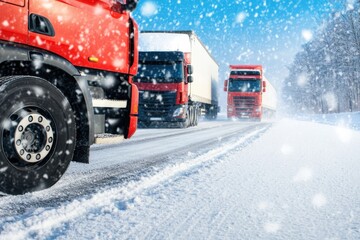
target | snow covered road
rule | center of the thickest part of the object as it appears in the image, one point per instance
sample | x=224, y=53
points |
x=220, y=180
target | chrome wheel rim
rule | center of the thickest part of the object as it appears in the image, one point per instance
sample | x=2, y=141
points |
x=33, y=138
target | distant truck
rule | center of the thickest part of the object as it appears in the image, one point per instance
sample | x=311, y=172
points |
x=177, y=79
x=250, y=94
x=66, y=70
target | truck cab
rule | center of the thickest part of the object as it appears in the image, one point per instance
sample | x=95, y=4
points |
x=245, y=87
x=177, y=79
x=162, y=81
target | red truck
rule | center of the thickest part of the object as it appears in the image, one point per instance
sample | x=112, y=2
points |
x=177, y=79
x=66, y=70
x=250, y=94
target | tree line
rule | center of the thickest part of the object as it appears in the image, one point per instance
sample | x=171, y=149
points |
x=325, y=75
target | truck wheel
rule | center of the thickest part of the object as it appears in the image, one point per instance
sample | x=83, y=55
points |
x=196, y=117
x=191, y=114
x=188, y=119
x=37, y=134
x=214, y=117
x=211, y=113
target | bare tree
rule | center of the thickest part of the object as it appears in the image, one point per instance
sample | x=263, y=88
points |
x=325, y=76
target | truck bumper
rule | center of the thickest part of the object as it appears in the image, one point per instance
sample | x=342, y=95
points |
x=174, y=114
x=244, y=114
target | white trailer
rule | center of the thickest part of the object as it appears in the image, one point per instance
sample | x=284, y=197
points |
x=269, y=99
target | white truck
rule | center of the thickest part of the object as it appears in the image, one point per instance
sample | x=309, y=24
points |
x=177, y=79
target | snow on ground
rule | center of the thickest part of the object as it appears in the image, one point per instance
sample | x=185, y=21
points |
x=297, y=180
x=346, y=120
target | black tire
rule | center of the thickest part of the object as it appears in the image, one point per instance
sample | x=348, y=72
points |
x=215, y=115
x=191, y=114
x=211, y=113
x=188, y=119
x=37, y=134
x=196, y=121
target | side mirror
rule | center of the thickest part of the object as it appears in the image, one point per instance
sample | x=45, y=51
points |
x=123, y=5
x=190, y=69
x=128, y=5
x=190, y=79
x=131, y=5
x=226, y=85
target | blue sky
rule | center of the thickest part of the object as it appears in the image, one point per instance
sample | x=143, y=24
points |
x=267, y=32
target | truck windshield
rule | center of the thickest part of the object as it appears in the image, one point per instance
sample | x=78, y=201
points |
x=244, y=85
x=246, y=72
x=160, y=72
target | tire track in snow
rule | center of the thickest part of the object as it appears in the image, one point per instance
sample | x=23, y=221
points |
x=192, y=217
x=169, y=219
x=150, y=138
x=44, y=221
x=189, y=220
x=83, y=183
x=183, y=214
x=113, y=172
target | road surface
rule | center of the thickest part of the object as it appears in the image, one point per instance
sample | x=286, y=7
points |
x=220, y=180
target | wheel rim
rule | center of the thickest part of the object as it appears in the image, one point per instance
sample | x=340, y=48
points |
x=30, y=138
x=34, y=138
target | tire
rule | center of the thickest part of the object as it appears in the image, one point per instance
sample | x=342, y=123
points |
x=215, y=115
x=211, y=113
x=196, y=117
x=37, y=134
x=192, y=116
x=187, y=122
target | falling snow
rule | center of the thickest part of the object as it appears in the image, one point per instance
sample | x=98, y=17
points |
x=282, y=179
x=226, y=190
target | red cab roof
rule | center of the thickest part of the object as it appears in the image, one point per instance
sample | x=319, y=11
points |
x=252, y=67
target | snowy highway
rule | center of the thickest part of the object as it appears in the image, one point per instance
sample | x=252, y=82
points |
x=74, y=71
x=148, y=149
x=287, y=179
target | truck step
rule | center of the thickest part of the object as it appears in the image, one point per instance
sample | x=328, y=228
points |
x=106, y=103
x=105, y=138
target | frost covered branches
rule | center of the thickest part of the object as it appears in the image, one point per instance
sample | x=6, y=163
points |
x=325, y=75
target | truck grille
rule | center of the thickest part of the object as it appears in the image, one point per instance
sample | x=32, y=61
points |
x=244, y=106
x=156, y=103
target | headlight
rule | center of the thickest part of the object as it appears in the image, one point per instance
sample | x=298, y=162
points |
x=179, y=111
x=258, y=109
